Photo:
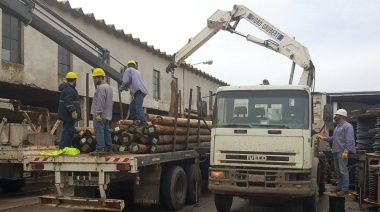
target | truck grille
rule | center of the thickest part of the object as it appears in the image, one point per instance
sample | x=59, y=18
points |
x=250, y=157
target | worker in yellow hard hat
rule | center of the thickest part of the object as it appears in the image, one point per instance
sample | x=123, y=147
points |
x=69, y=109
x=133, y=80
x=101, y=109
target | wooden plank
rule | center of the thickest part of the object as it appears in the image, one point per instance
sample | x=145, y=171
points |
x=39, y=123
x=48, y=122
x=26, y=116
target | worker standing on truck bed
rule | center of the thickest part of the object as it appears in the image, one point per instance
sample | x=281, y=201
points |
x=69, y=109
x=343, y=143
x=101, y=109
x=132, y=79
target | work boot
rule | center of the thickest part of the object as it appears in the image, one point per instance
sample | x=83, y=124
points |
x=341, y=193
x=99, y=149
x=335, y=190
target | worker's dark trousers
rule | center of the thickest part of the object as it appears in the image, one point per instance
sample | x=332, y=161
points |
x=136, y=107
x=67, y=134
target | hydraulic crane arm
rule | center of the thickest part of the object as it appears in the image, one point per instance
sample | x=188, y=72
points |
x=281, y=43
x=24, y=11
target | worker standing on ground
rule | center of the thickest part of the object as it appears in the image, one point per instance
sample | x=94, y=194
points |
x=133, y=80
x=69, y=109
x=101, y=109
x=343, y=143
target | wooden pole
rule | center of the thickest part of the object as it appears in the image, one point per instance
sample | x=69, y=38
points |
x=188, y=118
x=169, y=139
x=55, y=127
x=169, y=130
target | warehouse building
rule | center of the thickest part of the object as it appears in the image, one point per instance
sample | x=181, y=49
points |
x=33, y=66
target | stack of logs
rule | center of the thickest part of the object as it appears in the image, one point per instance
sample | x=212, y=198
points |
x=158, y=136
x=84, y=139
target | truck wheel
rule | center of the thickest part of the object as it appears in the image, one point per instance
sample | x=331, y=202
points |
x=223, y=202
x=86, y=191
x=310, y=203
x=12, y=186
x=194, y=183
x=174, y=188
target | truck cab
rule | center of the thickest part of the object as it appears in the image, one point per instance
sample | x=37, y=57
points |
x=264, y=147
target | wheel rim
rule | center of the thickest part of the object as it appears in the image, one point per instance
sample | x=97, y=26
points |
x=179, y=188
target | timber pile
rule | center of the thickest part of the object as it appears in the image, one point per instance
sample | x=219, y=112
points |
x=84, y=139
x=158, y=136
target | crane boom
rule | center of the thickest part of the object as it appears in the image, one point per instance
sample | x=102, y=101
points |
x=24, y=11
x=281, y=43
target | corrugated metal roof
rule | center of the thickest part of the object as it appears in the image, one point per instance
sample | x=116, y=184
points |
x=110, y=28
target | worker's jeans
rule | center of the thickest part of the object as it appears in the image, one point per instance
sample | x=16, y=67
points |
x=103, y=135
x=67, y=134
x=341, y=171
x=136, y=107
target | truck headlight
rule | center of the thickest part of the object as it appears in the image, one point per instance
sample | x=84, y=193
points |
x=218, y=174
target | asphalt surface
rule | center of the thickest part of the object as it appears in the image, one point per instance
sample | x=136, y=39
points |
x=27, y=200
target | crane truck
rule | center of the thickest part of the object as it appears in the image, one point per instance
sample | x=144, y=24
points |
x=103, y=182
x=261, y=139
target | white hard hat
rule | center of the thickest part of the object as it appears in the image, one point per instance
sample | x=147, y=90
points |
x=341, y=112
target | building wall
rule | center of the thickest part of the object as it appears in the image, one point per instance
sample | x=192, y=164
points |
x=40, y=64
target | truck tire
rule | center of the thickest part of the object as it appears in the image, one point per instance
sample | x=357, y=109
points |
x=223, y=202
x=194, y=183
x=310, y=204
x=174, y=188
x=86, y=191
x=12, y=186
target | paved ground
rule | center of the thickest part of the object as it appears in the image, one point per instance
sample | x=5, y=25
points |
x=28, y=202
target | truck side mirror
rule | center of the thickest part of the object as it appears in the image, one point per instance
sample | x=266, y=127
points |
x=327, y=113
x=202, y=109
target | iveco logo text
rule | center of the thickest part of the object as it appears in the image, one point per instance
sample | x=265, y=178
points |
x=256, y=157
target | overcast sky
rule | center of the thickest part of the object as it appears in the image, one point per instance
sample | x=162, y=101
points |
x=341, y=36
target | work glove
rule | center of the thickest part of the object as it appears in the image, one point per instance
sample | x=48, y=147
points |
x=74, y=115
x=345, y=154
x=98, y=117
x=320, y=137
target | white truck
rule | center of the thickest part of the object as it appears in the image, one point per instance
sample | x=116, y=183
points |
x=18, y=140
x=261, y=139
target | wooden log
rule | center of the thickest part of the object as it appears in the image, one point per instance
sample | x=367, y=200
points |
x=86, y=148
x=149, y=117
x=181, y=122
x=126, y=138
x=91, y=140
x=168, y=130
x=178, y=147
x=126, y=122
x=146, y=139
x=78, y=129
x=169, y=139
x=120, y=128
x=90, y=132
x=138, y=148
x=116, y=137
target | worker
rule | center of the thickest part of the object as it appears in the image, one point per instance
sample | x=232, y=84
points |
x=101, y=109
x=133, y=80
x=69, y=109
x=343, y=143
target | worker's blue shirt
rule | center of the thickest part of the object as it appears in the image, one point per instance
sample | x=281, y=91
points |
x=343, y=138
x=133, y=80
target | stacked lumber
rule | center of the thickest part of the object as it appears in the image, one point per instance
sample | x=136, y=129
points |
x=160, y=134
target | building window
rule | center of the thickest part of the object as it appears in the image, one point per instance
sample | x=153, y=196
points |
x=156, y=84
x=11, y=39
x=63, y=60
x=210, y=100
x=198, y=94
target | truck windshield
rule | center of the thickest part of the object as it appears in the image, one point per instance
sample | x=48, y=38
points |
x=286, y=109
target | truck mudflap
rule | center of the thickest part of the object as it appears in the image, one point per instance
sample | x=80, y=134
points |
x=82, y=203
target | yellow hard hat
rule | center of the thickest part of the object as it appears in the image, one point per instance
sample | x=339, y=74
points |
x=71, y=75
x=132, y=62
x=98, y=72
